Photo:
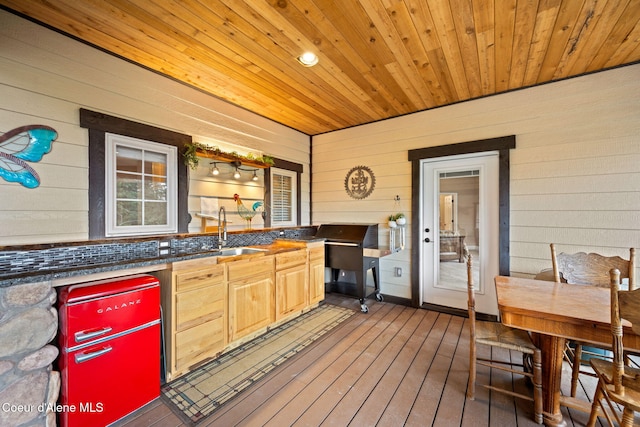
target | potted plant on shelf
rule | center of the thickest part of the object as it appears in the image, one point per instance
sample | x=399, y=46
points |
x=194, y=150
x=392, y=221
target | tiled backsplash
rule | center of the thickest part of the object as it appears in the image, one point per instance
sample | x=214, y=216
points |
x=65, y=257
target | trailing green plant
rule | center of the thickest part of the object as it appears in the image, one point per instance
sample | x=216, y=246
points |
x=267, y=160
x=194, y=149
x=190, y=155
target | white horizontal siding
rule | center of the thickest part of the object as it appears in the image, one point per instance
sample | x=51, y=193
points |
x=46, y=78
x=575, y=172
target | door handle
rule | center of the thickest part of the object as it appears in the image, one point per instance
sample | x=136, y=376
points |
x=83, y=336
x=427, y=240
x=426, y=230
x=88, y=356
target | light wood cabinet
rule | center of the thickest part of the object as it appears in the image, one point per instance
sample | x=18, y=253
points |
x=195, y=311
x=251, y=295
x=211, y=304
x=292, y=294
x=316, y=273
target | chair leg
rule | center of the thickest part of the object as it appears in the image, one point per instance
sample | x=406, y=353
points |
x=537, y=386
x=627, y=418
x=593, y=417
x=575, y=369
x=471, y=387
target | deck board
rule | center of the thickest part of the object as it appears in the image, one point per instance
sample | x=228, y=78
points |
x=371, y=372
x=326, y=389
x=392, y=366
x=377, y=401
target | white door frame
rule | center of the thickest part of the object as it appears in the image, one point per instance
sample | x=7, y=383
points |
x=431, y=291
x=502, y=144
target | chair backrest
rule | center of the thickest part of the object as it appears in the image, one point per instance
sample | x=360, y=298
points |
x=592, y=268
x=624, y=305
x=471, y=298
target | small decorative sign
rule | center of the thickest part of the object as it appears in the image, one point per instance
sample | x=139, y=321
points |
x=359, y=182
x=22, y=145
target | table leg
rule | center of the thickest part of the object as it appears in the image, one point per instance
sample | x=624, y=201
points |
x=552, y=349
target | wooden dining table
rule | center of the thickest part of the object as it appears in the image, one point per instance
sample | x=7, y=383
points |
x=555, y=312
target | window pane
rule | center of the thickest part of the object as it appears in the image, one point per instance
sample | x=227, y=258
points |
x=155, y=188
x=128, y=213
x=128, y=186
x=141, y=186
x=282, y=198
x=128, y=159
x=155, y=213
x=155, y=163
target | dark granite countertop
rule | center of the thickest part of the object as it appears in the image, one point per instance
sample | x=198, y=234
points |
x=279, y=245
x=40, y=276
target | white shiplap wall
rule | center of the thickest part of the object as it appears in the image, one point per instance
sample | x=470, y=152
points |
x=575, y=172
x=45, y=78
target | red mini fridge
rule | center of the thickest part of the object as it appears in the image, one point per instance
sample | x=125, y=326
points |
x=109, y=349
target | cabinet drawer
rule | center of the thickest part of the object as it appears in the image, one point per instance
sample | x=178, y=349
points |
x=242, y=269
x=193, y=279
x=199, y=306
x=290, y=259
x=315, y=253
x=195, y=344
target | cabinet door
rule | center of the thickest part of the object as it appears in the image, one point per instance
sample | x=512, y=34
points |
x=316, y=274
x=251, y=296
x=291, y=290
x=250, y=306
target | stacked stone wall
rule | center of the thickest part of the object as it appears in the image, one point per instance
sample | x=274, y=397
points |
x=29, y=387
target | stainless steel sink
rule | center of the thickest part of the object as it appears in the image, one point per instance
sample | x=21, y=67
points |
x=239, y=251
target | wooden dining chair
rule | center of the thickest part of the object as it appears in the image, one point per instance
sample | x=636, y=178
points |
x=587, y=269
x=618, y=384
x=495, y=334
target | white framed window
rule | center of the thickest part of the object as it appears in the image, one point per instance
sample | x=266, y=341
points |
x=141, y=187
x=284, y=197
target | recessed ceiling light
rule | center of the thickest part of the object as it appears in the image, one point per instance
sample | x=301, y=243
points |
x=308, y=59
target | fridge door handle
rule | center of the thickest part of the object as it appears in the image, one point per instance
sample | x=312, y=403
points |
x=83, y=336
x=83, y=357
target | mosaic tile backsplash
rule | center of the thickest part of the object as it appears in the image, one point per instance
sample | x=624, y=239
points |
x=14, y=263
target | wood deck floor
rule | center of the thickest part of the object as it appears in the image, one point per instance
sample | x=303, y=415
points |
x=393, y=366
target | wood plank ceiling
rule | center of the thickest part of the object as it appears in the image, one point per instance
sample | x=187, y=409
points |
x=378, y=58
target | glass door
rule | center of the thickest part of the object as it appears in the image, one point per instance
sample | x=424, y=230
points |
x=460, y=217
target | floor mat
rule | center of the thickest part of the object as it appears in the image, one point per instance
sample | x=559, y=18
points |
x=201, y=392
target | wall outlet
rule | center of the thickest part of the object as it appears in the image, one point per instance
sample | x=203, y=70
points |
x=398, y=272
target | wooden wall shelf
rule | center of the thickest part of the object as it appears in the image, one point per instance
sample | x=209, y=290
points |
x=228, y=158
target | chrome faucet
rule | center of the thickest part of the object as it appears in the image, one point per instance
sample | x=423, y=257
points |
x=222, y=228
